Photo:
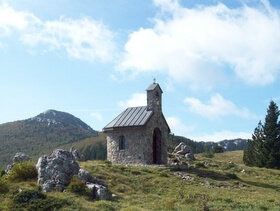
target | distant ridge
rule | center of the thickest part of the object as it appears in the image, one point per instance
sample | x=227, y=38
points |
x=233, y=144
x=198, y=147
x=41, y=134
x=59, y=119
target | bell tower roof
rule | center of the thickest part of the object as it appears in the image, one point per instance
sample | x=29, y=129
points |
x=153, y=86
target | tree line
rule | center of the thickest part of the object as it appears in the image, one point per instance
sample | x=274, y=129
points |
x=264, y=147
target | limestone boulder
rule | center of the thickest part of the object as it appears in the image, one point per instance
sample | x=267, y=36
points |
x=76, y=154
x=189, y=156
x=21, y=157
x=56, y=171
x=88, y=178
x=184, y=150
x=98, y=187
x=18, y=158
x=99, y=192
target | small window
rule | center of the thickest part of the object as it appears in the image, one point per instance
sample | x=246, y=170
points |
x=157, y=96
x=121, y=142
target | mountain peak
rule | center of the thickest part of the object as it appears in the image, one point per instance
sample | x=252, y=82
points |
x=50, y=112
x=59, y=119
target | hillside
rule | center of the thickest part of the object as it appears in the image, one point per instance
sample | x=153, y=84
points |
x=198, y=147
x=52, y=129
x=41, y=134
x=231, y=145
x=221, y=183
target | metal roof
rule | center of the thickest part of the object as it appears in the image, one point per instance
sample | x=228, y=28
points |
x=131, y=117
x=153, y=86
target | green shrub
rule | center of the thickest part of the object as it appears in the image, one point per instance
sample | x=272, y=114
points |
x=4, y=187
x=47, y=204
x=22, y=172
x=27, y=196
x=208, y=154
x=36, y=200
x=2, y=172
x=77, y=186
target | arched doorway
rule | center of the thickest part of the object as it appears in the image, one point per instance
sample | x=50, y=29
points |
x=157, y=146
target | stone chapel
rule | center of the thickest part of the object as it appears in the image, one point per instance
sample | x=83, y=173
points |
x=139, y=134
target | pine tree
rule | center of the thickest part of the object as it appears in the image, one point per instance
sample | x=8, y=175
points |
x=218, y=149
x=252, y=155
x=271, y=149
x=264, y=147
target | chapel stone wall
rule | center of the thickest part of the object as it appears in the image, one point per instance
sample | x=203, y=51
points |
x=135, y=146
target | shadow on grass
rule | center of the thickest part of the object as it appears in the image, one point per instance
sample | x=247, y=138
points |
x=261, y=185
x=211, y=174
x=225, y=177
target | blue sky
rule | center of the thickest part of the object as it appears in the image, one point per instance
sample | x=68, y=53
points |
x=217, y=62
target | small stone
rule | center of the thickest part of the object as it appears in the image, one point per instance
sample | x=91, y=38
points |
x=123, y=189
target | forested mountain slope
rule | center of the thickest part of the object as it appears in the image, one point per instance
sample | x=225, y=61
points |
x=41, y=134
x=52, y=129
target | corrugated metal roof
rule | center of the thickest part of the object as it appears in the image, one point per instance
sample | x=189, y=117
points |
x=131, y=117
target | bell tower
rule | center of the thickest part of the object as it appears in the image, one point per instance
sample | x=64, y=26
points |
x=154, y=97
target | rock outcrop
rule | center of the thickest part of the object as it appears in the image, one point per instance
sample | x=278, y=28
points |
x=18, y=158
x=98, y=188
x=21, y=157
x=76, y=154
x=181, y=155
x=183, y=149
x=56, y=171
x=86, y=176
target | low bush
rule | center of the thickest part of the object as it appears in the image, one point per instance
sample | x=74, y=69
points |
x=50, y=203
x=27, y=196
x=36, y=200
x=77, y=186
x=4, y=187
x=2, y=172
x=22, y=172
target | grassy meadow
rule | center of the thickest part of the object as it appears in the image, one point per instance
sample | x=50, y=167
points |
x=219, y=183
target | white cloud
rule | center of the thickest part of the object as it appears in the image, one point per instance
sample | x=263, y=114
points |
x=83, y=38
x=13, y=20
x=201, y=44
x=216, y=107
x=221, y=135
x=177, y=127
x=137, y=99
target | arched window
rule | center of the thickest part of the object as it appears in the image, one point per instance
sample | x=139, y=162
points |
x=121, y=142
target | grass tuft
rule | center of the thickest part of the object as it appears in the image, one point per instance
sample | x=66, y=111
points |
x=22, y=171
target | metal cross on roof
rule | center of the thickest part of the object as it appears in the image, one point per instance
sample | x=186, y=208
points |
x=154, y=80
